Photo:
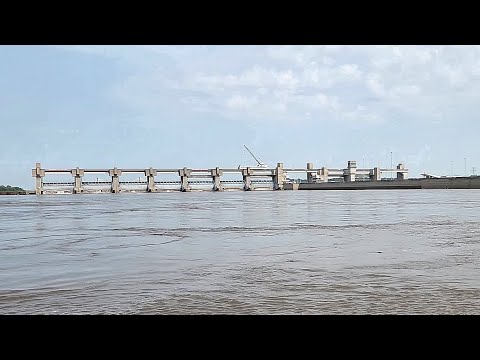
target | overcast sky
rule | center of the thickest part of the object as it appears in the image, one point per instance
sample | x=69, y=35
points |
x=195, y=106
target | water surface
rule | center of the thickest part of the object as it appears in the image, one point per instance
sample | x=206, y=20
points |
x=264, y=252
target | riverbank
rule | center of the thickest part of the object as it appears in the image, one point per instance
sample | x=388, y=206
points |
x=15, y=192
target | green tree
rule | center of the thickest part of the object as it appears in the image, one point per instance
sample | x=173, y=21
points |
x=4, y=188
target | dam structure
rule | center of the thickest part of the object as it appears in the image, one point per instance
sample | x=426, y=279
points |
x=251, y=178
x=248, y=179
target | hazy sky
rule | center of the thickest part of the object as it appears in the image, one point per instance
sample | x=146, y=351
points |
x=195, y=106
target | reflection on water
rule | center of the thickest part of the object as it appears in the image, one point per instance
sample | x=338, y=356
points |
x=287, y=252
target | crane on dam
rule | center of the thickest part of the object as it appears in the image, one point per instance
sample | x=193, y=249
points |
x=261, y=164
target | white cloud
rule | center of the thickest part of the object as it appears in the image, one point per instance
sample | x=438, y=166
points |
x=243, y=82
x=375, y=85
x=405, y=90
x=240, y=102
x=362, y=114
x=317, y=101
x=350, y=70
x=332, y=48
x=254, y=77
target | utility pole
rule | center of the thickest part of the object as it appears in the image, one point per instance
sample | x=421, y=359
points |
x=465, y=159
x=473, y=170
x=451, y=168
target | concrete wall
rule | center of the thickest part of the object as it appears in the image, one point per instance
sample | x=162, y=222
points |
x=290, y=186
x=450, y=183
x=442, y=183
x=360, y=185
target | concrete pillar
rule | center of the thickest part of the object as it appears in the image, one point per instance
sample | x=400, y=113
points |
x=323, y=174
x=351, y=171
x=38, y=173
x=216, y=173
x=115, y=173
x=77, y=180
x=184, y=174
x=279, y=177
x=150, y=174
x=310, y=177
x=375, y=174
x=402, y=176
x=247, y=181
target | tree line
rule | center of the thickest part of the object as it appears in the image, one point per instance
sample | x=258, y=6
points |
x=10, y=188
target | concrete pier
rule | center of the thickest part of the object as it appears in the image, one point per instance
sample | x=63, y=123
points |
x=184, y=174
x=247, y=180
x=310, y=174
x=150, y=174
x=278, y=177
x=38, y=173
x=115, y=173
x=401, y=175
x=216, y=174
x=322, y=175
x=77, y=180
x=350, y=172
x=375, y=174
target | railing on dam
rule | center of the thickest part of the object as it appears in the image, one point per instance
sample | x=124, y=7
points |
x=193, y=182
x=252, y=177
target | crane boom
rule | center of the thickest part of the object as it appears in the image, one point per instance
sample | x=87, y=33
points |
x=261, y=164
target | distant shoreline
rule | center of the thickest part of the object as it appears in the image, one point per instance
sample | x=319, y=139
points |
x=12, y=190
x=24, y=192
